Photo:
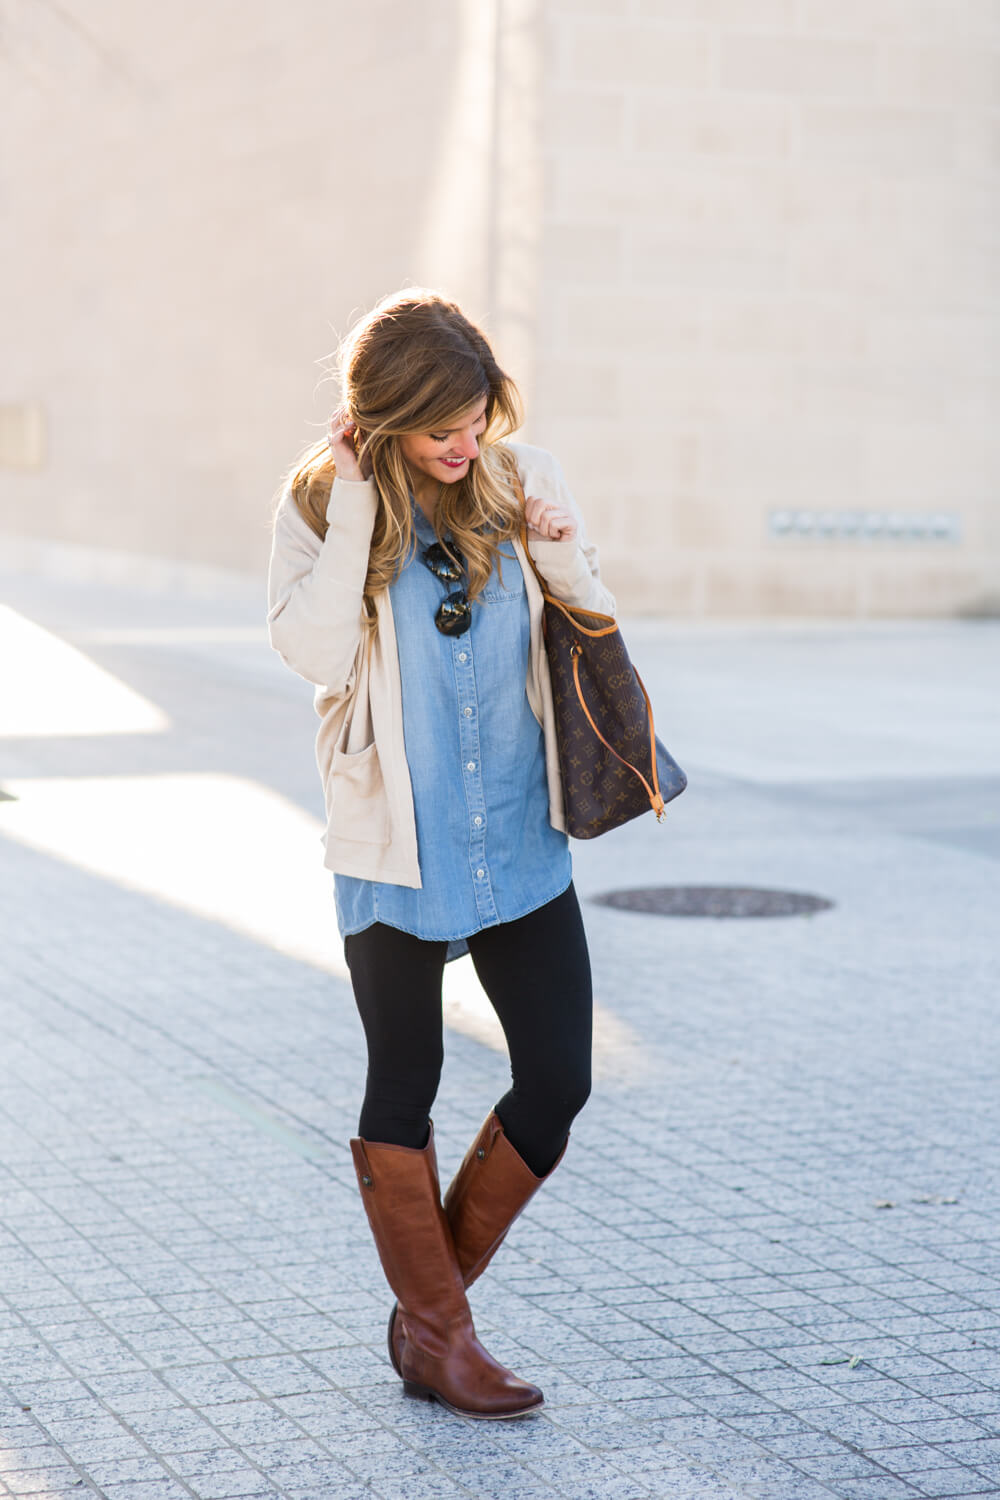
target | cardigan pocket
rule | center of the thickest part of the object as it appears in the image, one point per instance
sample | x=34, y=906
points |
x=360, y=808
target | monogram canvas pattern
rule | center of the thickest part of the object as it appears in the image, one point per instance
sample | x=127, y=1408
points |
x=599, y=791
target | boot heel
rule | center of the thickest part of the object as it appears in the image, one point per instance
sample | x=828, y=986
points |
x=420, y=1392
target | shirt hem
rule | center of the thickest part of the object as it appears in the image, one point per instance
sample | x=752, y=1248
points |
x=457, y=937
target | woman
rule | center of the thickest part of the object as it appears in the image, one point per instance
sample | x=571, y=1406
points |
x=399, y=585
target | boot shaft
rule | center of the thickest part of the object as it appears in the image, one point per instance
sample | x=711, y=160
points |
x=401, y=1194
x=490, y=1190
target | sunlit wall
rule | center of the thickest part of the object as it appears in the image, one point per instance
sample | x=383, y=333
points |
x=742, y=255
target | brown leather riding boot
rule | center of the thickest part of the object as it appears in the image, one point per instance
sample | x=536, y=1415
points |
x=490, y=1189
x=439, y=1356
x=488, y=1192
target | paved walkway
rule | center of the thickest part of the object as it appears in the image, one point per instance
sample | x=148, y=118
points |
x=769, y=1264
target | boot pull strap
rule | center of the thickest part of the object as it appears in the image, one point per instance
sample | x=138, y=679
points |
x=486, y=1146
x=366, y=1178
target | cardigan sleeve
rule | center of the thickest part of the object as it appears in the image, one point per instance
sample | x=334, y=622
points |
x=315, y=589
x=570, y=569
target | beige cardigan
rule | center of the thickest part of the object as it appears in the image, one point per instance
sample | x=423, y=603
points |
x=314, y=623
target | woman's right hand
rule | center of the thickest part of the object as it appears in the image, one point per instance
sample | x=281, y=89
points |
x=341, y=444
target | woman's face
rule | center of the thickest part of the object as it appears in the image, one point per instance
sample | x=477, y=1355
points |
x=445, y=455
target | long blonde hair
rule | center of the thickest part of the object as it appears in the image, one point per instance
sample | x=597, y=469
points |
x=412, y=365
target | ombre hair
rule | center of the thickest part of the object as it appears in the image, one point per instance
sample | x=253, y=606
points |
x=412, y=366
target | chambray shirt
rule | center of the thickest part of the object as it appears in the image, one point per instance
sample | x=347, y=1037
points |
x=476, y=755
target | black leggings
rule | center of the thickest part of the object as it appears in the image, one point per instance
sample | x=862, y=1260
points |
x=536, y=972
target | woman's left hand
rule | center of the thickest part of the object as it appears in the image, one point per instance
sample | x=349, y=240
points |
x=548, y=521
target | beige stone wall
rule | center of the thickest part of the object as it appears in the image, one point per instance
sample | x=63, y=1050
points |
x=198, y=206
x=771, y=283
x=741, y=253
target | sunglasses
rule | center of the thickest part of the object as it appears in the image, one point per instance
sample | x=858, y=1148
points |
x=454, y=613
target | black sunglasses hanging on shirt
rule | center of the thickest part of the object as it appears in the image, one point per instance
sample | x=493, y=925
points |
x=454, y=613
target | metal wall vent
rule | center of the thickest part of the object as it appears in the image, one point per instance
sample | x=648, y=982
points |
x=863, y=526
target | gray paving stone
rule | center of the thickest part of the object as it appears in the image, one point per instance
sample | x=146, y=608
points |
x=114, y=1450
x=944, y=1384
x=767, y=1424
x=981, y=1452
x=321, y=1477
x=604, y=1428
x=183, y=1294
x=281, y=1375
x=175, y=1431
x=147, y=1489
x=983, y=1404
x=944, y=1482
x=263, y=1426
x=591, y=1478
x=886, y=1488
x=907, y=1460
x=949, y=1430
x=103, y=1472
x=37, y=1481
x=244, y=1484
x=208, y=1384
x=494, y=1479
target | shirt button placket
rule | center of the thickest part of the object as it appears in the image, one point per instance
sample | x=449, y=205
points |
x=468, y=728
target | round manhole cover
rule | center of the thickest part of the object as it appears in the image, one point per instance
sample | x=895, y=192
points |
x=713, y=901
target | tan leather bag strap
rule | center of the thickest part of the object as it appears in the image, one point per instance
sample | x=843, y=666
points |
x=595, y=614
x=653, y=792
